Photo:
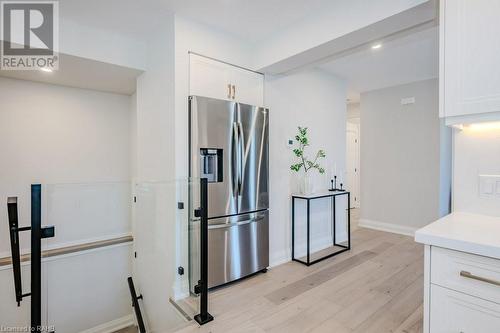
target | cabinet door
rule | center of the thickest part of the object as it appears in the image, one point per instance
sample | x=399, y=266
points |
x=209, y=78
x=469, y=56
x=454, y=312
x=249, y=86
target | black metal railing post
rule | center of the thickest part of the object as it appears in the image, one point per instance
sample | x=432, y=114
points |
x=36, y=257
x=14, y=247
x=135, y=304
x=37, y=233
x=203, y=317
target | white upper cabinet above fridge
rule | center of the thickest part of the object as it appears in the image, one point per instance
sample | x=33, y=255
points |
x=215, y=79
x=469, y=58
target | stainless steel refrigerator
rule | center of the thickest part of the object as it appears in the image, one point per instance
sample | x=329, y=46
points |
x=229, y=146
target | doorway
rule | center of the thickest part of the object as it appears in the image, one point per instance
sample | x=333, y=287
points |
x=353, y=160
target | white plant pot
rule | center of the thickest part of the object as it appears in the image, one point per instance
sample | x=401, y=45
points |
x=306, y=184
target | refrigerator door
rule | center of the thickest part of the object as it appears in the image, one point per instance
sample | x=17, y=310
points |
x=237, y=246
x=214, y=154
x=253, y=135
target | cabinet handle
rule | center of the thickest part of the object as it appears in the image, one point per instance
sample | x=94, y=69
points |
x=234, y=91
x=229, y=90
x=479, y=278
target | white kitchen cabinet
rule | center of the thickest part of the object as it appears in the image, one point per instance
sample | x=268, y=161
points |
x=461, y=274
x=458, y=271
x=463, y=292
x=211, y=78
x=453, y=311
x=469, y=53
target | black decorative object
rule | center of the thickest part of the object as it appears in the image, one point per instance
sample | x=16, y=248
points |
x=332, y=188
x=334, y=185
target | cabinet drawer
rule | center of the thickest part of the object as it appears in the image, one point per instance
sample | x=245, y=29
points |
x=468, y=273
x=451, y=311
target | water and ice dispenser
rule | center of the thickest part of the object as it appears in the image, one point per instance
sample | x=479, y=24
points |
x=211, y=164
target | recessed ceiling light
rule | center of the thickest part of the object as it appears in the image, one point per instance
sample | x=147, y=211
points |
x=376, y=46
x=45, y=69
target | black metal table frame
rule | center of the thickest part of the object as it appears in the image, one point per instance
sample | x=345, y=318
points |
x=332, y=195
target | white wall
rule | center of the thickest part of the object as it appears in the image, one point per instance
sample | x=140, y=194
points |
x=155, y=109
x=101, y=45
x=77, y=141
x=56, y=135
x=400, y=157
x=445, y=169
x=475, y=152
x=155, y=211
x=311, y=99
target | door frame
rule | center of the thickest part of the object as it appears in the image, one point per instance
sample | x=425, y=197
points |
x=354, y=127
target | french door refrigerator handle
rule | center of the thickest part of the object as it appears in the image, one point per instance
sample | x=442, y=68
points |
x=235, y=161
x=242, y=157
x=235, y=224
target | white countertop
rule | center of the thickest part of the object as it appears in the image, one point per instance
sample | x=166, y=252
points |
x=472, y=233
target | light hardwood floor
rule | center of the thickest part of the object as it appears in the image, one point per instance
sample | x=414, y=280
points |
x=376, y=287
x=131, y=329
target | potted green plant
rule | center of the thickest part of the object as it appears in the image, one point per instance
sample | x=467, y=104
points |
x=304, y=163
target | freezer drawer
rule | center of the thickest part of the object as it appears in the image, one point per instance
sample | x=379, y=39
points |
x=236, y=250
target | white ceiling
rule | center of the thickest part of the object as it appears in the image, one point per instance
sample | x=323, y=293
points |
x=402, y=60
x=252, y=20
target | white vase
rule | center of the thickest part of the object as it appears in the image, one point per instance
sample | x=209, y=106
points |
x=306, y=184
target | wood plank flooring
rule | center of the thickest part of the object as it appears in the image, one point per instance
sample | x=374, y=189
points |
x=131, y=329
x=376, y=287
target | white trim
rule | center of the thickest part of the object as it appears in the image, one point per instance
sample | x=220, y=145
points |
x=472, y=118
x=388, y=227
x=427, y=288
x=112, y=326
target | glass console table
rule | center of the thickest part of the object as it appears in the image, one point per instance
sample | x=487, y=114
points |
x=328, y=246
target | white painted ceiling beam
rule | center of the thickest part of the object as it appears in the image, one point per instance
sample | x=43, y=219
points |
x=301, y=47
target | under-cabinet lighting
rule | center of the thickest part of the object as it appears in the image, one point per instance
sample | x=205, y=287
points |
x=376, y=46
x=482, y=126
x=477, y=127
x=45, y=69
x=458, y=126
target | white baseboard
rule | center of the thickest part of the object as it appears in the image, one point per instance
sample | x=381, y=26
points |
x=388, y=227
x=112, y=326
